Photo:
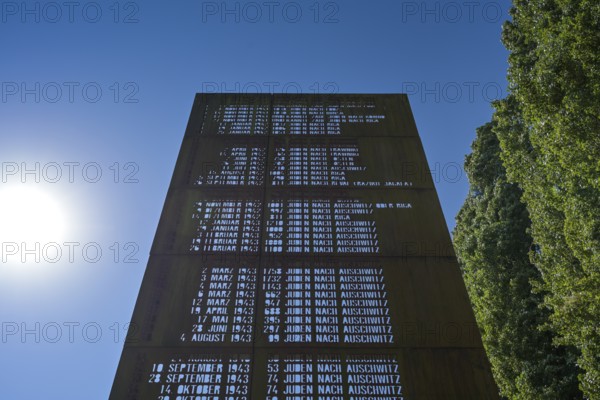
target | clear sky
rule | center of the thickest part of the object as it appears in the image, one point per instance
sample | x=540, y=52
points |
x=95, y=99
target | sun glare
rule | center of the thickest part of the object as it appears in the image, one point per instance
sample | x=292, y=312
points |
x=30, y=215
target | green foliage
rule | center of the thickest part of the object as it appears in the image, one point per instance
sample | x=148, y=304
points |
x=492, y=242
x=549, y=130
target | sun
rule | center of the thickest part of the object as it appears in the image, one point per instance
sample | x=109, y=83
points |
x=30, y=214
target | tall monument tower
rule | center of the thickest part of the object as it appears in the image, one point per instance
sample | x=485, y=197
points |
x=302, y=254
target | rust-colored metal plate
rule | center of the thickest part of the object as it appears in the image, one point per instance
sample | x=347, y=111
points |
x=302, y=253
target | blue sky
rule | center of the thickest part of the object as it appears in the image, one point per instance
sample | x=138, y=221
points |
x=106, y=88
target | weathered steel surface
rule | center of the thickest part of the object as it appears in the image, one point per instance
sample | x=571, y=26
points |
x=302, y=253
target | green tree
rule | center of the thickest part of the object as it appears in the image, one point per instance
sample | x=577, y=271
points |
x=492, y=243
x=549, y=130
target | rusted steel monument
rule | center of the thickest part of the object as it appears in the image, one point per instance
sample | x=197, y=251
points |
x=302, y=254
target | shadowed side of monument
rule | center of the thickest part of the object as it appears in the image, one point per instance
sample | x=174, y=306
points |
x=302, y=253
